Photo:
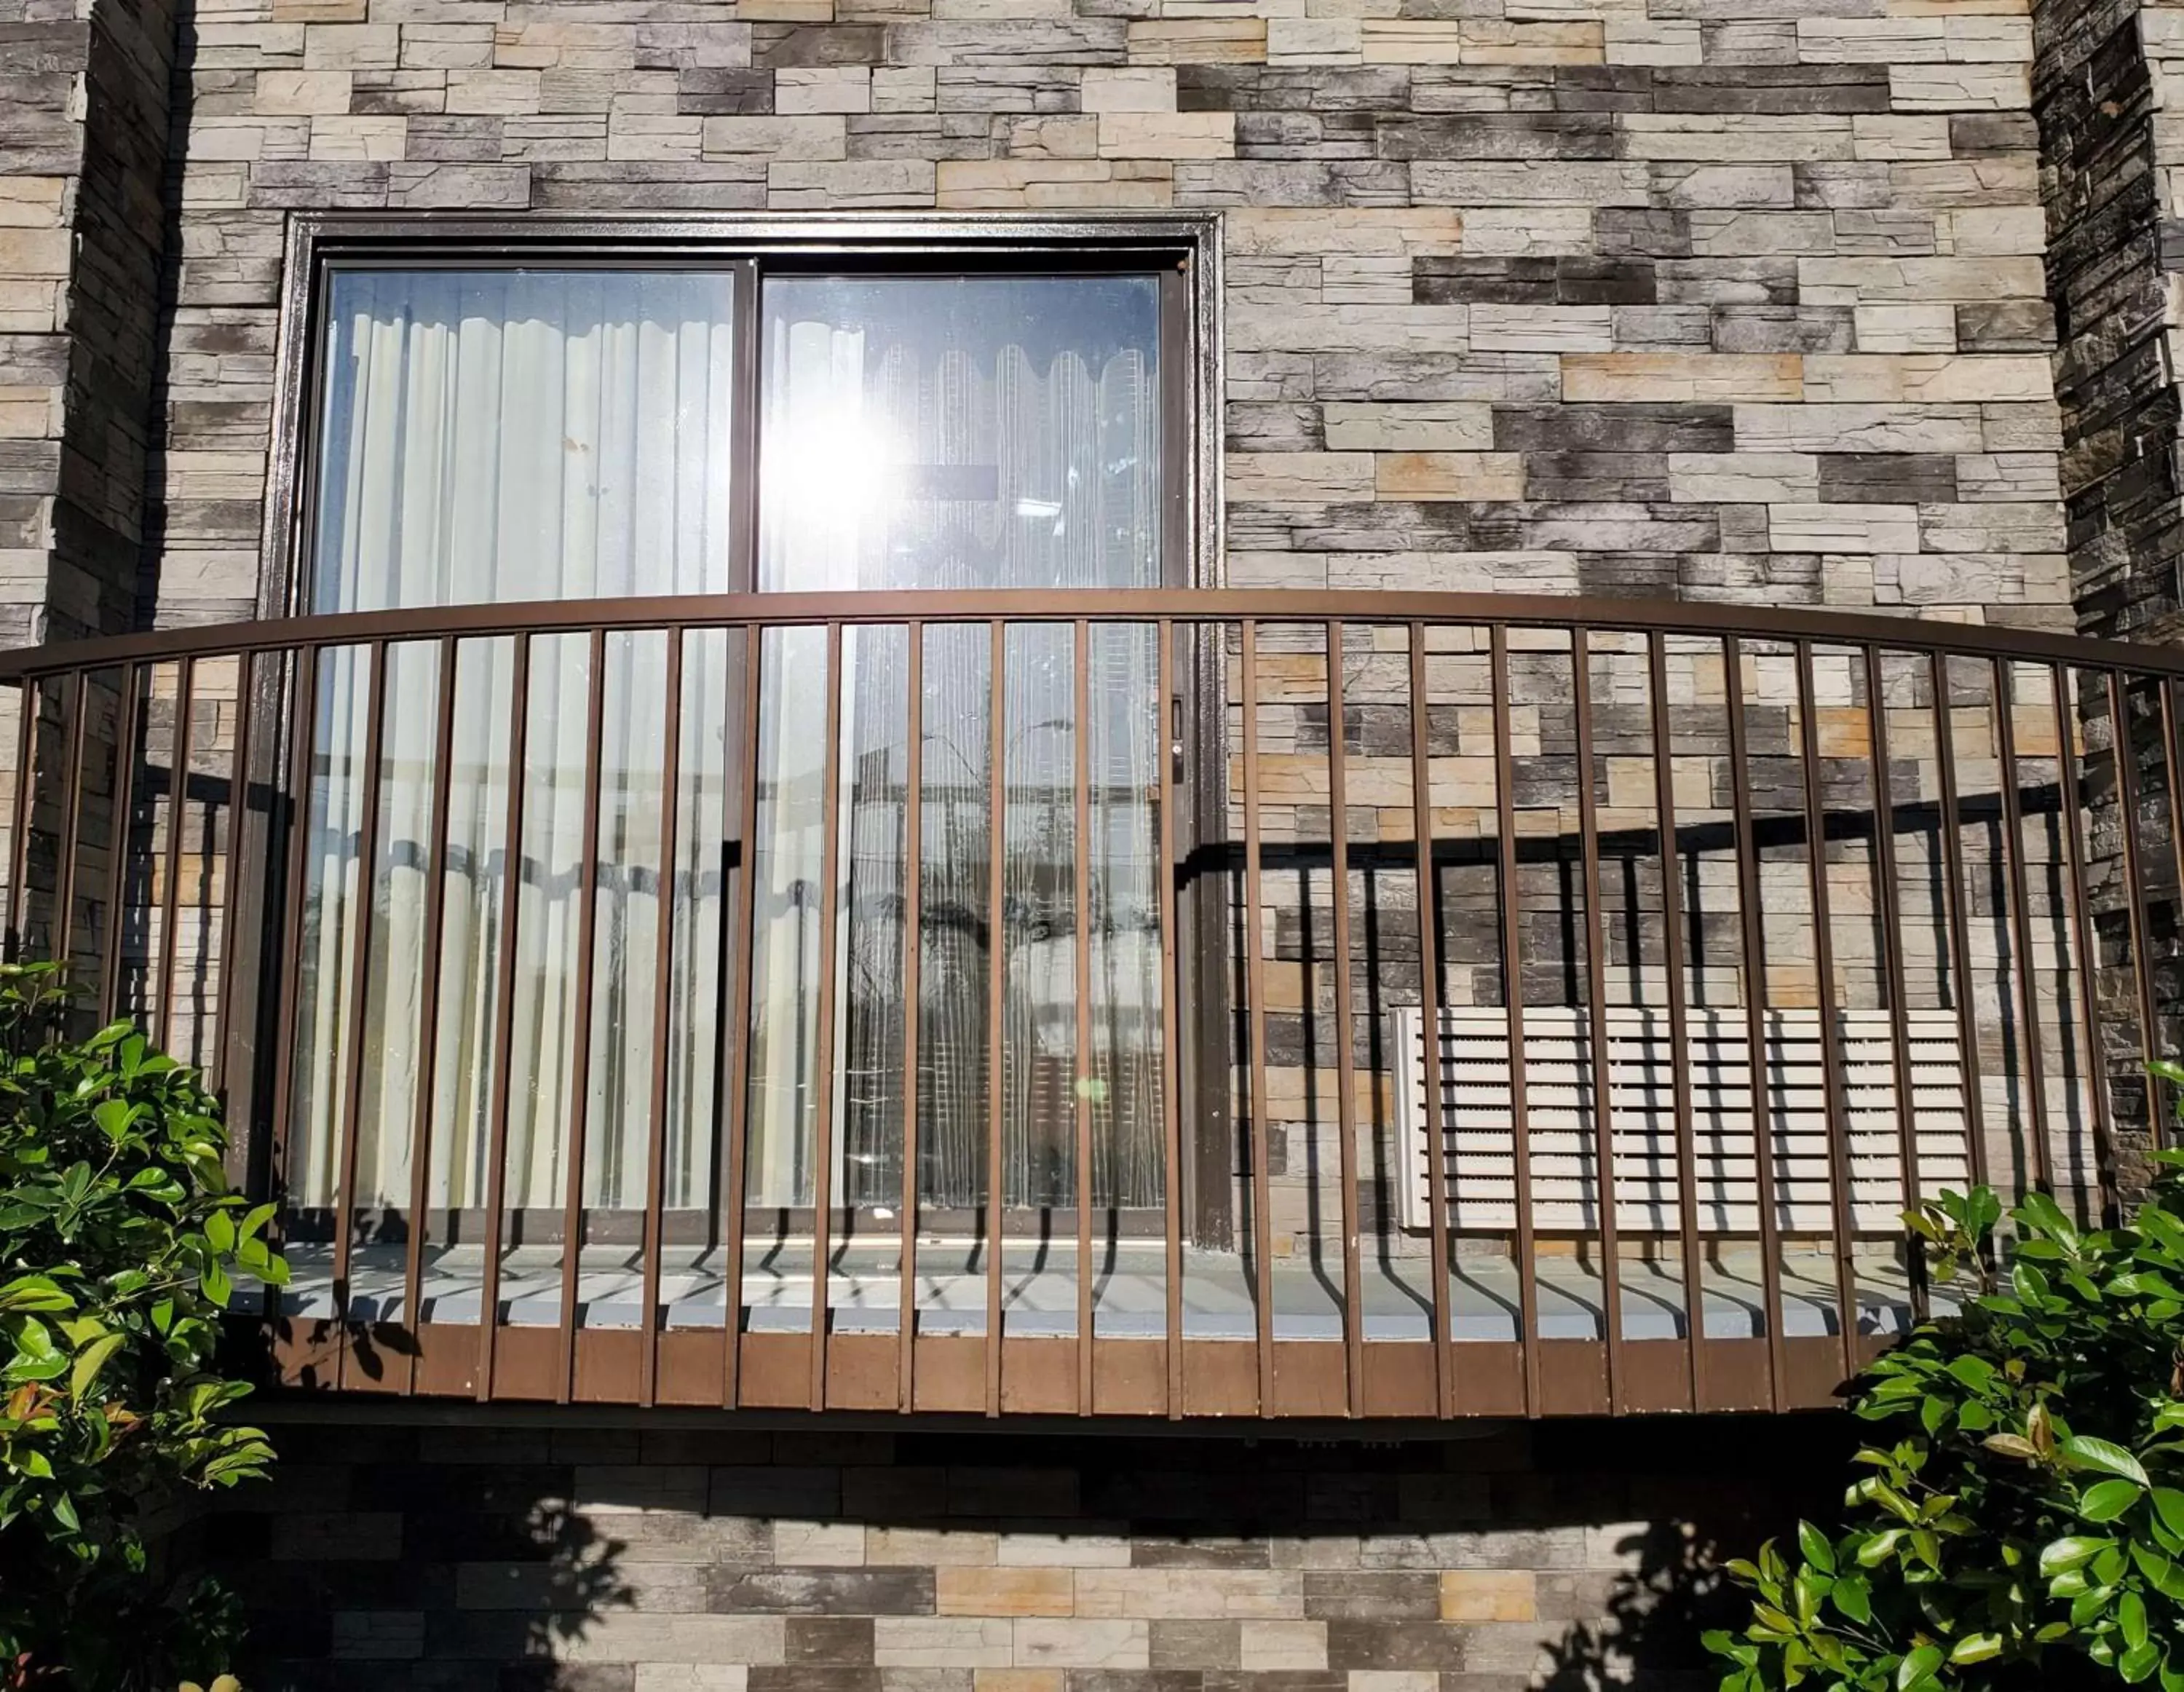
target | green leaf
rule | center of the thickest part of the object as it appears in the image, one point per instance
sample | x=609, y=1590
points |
x=2130, y=1616
x=1975, y=1648
x=1853, y=1597
x=2081, y=1451
x=1975, y=1371
x=2107, y=1500
x=2139, y=1663
x=1918, y=1666
x=2073, y=1552
x=2169, y=1504
x=90, y=1361
x=1814, y=1544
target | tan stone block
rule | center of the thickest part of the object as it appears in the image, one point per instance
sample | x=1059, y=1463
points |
x=34, y=252
x=30, y=413
x=1411, y=40
x=1004, y=1591
x=367, y=138
x=488, y=92
x=953, y=1642
x=1064, y=1550
x=321, y=11
x=1495, y=40
x=1223, y=1595
x=1959, y=87
x=32, y=202
x=1041, y=1643
x=1395, y=426
x=1167, y=135
x=977, y=184
x=1017, y=1680
x=1315, y=40
x=823, y=137
x=1277, y=1645
x=1198, y=41
x=803, y=90
x=1356, y=230
x=351, y=46
x=301, y=93
x=785, y=11
x=876, y=182
x=1276, y=476
x=1926, y=379
x=1683, y=377
x=1892, y=328
x=1448, y=476
x=1070, y=137
x=1488, y=1594
x=1150, y=89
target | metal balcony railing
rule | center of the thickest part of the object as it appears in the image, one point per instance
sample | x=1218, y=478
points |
x=1020, y=1002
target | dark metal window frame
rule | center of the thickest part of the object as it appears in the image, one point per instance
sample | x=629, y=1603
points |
x=1185, y=249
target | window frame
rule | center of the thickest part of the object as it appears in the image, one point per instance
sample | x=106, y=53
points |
x=1193, y=358
x=1183, y=248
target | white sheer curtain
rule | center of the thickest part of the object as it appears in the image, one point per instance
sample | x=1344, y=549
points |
x=490, y=437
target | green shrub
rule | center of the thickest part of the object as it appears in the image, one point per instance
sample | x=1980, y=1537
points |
x=2021, y=1520
x=119, y=1244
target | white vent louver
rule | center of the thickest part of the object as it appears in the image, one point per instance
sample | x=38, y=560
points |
x=1480, y=1148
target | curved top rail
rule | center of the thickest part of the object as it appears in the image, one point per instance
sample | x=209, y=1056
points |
x=1183, y=605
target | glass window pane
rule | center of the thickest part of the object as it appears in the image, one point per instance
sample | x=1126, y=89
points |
x=497, y=435
x=961, y=432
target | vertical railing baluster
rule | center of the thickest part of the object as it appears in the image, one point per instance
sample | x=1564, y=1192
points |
x=743, y=740
x=1512, y=1000
x=1838, y=1115
x=1171, y=1023
x=1754, y=937
x=1891, y=960
x=117, y=869
x=1345, y=1056
x=2172, y=767
x=1081, y=898
x=913, y=870
x=302, y=731
x=1960, y=945
x=28, y=693
x=1254, y=989
x=580, y=1060
x=1444, y=1337
x=2020, y=917
x=1680, y=1053
x=996, y=963
x=178, y=789
x=503, y=1045
x=428, y=1006
x=822, y=1061
x=1597, y=1076
x=2069, y=821
x=72, y=835
x=2134, y=875
x=232, y=878
x=663, y=1018
x=348, y=1123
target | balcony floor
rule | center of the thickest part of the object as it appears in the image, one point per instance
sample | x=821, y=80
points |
x=1039, y=1293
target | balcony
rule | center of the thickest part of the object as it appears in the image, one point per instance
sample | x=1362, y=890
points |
x=681, y=1001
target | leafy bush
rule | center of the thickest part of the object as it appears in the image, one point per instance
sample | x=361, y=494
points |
x=2023, y=1523
x=119, y=1244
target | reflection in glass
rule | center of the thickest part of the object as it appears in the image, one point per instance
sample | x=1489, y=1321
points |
x=960, y=432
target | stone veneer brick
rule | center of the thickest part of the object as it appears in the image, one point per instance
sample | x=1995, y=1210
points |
x=1465, y=250
x=537, y=1555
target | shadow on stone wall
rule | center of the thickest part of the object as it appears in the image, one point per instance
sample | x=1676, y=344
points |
x=676, y=1552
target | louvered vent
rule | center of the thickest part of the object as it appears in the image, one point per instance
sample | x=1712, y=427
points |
x=1479, y=1147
